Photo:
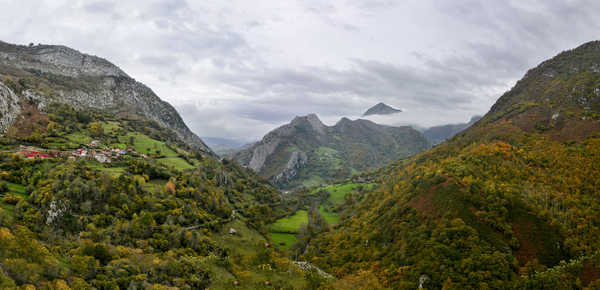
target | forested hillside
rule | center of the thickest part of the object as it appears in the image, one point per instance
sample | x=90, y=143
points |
x=93, y=199
x=509, y=203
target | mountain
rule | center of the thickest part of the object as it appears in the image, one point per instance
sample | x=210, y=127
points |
x=381, y=109
x=93, y=196
x=307, y=152
x=439, y=134
x=509, y=203
x=223, y=146
x=64, y=75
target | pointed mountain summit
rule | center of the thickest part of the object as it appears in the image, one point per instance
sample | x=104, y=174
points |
x=381, y=109
x=308, y=152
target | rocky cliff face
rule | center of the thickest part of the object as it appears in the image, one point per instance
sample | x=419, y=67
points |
x=9, y=107
x=306, y=149
x=85, y=81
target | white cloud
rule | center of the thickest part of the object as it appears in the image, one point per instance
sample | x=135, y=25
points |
x=237, y=69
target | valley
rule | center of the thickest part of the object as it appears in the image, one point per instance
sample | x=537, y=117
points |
x=104, y=186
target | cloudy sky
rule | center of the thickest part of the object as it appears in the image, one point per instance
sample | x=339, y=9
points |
x=239, y=68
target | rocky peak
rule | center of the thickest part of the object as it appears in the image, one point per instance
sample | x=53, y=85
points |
x=381, y=109
x=310, y=121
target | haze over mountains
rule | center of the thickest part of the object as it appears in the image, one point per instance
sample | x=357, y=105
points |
x=439, y=134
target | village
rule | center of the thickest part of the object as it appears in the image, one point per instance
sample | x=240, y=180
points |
x=93, y=151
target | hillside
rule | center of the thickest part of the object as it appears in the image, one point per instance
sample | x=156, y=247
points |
x=307, y=152
x=509, y=203
x=95, y=198
x=439, y=134
x=50, y=73
x=381, y=109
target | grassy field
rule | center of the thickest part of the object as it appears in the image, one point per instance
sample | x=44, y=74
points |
x=329, y=155
x=175, y=162
x=113, y=171
x=15, y=189
x=146, y=145
x=110, y=128
x=244, y=246
x=155, y=185
x=315, y=180
x=337, y=191
x=331, y=217
x=284, y=241
x=79, y=138
x=290, y=224
x=118, y=146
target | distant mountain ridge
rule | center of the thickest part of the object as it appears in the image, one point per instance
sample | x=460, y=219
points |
x=439, y=134
x=307, y=152
x=68, y=76
x=381, y=109
x=223, y=146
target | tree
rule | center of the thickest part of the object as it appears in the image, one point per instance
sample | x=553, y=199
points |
x=96, y=129
x=53, y=128
x=3, y=187
x=84, y=266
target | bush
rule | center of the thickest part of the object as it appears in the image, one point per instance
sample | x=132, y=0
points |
x=12, y=199
x=3, y=187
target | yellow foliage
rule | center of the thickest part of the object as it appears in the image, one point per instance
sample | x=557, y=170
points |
x=5, y=234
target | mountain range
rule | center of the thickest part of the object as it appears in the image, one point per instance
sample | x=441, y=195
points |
x=224, y=147
x=439, y=134
x=307, y=152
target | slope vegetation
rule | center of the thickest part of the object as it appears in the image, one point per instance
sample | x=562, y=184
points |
x=48, y=73
x=509, y=203
x=90, y=199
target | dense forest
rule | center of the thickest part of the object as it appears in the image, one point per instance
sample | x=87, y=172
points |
x=168, y=217
x=510, y=203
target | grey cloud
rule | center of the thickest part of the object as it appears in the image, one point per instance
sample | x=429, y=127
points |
x=233, y=68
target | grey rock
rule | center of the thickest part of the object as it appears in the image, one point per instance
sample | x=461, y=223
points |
x=297, y=160
x=9, y=108
x=381, y=109
x=85, y=81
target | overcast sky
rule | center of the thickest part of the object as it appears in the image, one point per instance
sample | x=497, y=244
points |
x=237, y=69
